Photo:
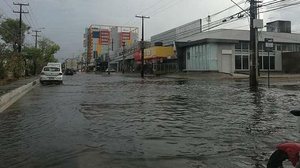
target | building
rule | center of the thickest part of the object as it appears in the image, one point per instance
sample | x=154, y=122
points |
x=102, y=42
x=279, y=26
x=227, y=50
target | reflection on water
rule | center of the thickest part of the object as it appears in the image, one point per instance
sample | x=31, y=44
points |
x=115, y=121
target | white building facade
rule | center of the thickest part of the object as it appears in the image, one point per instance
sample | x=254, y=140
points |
x=228, y=51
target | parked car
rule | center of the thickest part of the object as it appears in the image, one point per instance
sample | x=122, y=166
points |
x=69, y=72
x=51, y=74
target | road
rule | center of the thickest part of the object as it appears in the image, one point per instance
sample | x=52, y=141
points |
x=95, y=120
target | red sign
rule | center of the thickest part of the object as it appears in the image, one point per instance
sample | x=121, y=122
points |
x=137, y=56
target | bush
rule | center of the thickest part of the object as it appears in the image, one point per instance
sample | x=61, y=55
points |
x=3, y=72
x=16, y=65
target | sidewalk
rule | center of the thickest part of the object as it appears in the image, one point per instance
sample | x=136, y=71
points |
x=15, y=84
x=13, y=91
x=275, y=77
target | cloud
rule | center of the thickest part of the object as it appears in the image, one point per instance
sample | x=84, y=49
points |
x=65, y=20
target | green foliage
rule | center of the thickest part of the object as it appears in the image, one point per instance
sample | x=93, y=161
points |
x=32, y=59
x=49, y=48
x=15, y=64
x=9, y=32
x=3, y=72
x=39, y=57
x=3, y=54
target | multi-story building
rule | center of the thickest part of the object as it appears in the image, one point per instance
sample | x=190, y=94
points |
x=101, y=42
x=228, y=50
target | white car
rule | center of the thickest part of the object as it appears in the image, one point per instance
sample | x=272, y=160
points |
x=51, y=74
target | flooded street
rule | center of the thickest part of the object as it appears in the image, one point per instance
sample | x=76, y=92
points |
x=115, y=121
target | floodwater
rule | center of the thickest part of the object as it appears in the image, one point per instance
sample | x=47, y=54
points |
x=114, y=121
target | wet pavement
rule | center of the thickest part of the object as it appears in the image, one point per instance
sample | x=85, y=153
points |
x=96, y=120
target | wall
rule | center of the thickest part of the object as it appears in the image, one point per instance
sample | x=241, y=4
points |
x=291, y=62
x=225, y=60
x=202, y=57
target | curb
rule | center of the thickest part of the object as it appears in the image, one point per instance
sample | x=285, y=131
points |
x=11, y=97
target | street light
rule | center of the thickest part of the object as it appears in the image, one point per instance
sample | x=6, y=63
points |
x=142, y=42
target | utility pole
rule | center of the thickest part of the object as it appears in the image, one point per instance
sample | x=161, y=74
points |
x=36, y=36
x=108, y=61
x=20, y=23
x=142, y=43
x=123, y=65
x=253, y=47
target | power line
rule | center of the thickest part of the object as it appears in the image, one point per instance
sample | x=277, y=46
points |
x=164, y=8
x=281, y=7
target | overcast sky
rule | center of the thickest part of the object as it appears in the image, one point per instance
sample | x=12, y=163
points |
x=65, y=20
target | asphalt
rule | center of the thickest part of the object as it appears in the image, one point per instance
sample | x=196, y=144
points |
x=15, y=84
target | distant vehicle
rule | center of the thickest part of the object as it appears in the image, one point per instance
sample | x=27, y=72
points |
x=110, y=70
x=69, y=72
x=54, y=64
x=51, y=74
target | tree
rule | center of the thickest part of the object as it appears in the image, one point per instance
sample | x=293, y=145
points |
x=48, y=49
x=35, y=58
x=9, y=32
x=3, y=54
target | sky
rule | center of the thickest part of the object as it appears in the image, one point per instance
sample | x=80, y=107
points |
x=64, y=21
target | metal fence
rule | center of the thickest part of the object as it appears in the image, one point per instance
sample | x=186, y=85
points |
x=165, y=68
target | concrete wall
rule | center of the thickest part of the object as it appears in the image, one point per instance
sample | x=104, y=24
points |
x=10, y=98
x=226, y=60
x=291, y=62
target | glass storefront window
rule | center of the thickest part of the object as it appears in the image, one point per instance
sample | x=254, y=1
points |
x=278, y=47
x=245, y=62
x=238, y=62
x=272, y=62
x=238, y=46
x=245, y=47
x=260, y=46
x=264, y=62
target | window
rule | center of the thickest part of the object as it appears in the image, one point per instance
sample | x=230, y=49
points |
x=188, y=55
x=245, y=47
x=284, y=47
x=260, y=46
x=245, y=62
x=272, y=62
x=260, y=62
x=264, y=62
x=238, y=62
x=52, y=69
x=238, y=46
x=278, y=47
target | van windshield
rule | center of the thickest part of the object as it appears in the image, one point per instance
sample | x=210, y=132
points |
x=52, y=69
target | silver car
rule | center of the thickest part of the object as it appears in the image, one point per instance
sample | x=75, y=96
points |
x=51, y=74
